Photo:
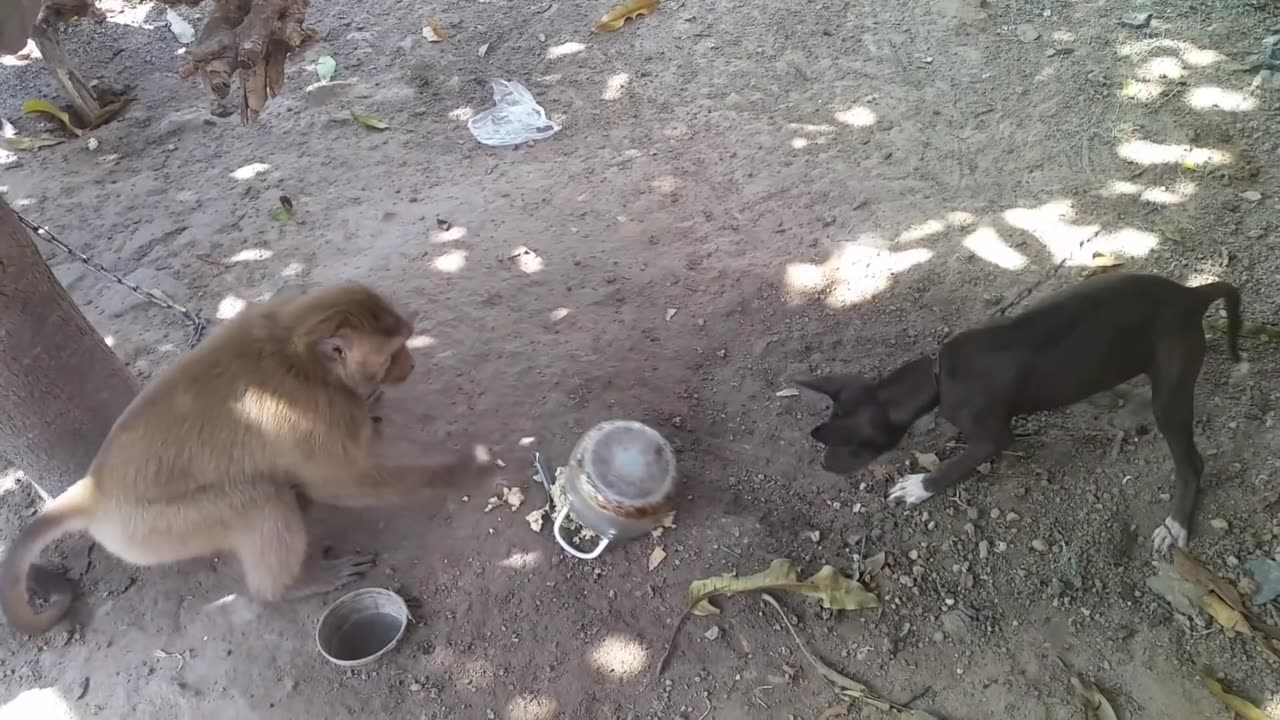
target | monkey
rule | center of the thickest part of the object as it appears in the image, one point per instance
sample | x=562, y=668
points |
x=223, y=449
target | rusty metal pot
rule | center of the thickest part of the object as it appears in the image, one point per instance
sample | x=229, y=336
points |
x=620, y=482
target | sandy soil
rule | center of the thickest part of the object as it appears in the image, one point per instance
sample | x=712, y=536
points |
x=810, y=187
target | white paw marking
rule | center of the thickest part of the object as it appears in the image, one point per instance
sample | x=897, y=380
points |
x=910, y=489
x=1167, y=535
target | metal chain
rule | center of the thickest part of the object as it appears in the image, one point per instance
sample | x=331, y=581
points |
x=155, y=297
x=1026, y=292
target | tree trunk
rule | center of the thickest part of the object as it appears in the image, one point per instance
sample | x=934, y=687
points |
x=61, y=387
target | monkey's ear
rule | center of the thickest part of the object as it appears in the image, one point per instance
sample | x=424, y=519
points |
x=334, y=349
x=832, y=385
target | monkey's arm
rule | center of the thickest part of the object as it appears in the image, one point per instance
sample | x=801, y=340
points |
x=397, y=477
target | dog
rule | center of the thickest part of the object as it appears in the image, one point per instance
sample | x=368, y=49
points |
x=1077, y=342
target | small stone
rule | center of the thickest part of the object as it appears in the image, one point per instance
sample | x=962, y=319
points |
x=1012, y=517
x=1251, y=195
x=995, y=513
x=1137, y=21
x=713, y=633
x=972, y=513
x=1219, y=524
x=415, y=687
x=814, y=536
x=984, y=549
x=914, y=554
x=938, y=637
x=1039, y=545
x=1027, y=33
x=1001, y=546
x=1055, y=588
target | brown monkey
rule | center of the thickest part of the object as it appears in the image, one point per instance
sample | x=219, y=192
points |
x=214, y=453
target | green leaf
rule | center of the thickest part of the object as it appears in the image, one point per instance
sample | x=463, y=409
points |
x=325, y=67
x=836, y=591
x=281, y=214
x=40, y=105
x=369, y=121
x=17, y=142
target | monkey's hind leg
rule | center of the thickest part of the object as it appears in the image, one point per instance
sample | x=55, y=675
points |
x=272, y=547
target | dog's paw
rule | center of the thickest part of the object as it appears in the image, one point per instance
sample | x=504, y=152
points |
x=1168, y=535
x=910, y=489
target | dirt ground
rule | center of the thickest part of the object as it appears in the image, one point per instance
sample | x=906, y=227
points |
x=809, y=187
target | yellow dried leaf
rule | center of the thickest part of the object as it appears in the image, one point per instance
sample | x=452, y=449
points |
x=17, y=142
x=369, y=121
x=1106, y=260
x=40, y=105
x=1192, y=570
x=835, y=591
x=434, y=31
x=618, y=15
x=1227, y=616
x=1095, y=703
x=656, y=557
x=1237, y=705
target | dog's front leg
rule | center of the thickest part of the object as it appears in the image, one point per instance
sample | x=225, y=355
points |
x=915, y=489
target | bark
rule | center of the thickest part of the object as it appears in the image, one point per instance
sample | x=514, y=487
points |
x=251, y=39
x=61, y=387
x=90, y=106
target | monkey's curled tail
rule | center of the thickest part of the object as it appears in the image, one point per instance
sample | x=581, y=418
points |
x=1231, y=296
x=69, y=512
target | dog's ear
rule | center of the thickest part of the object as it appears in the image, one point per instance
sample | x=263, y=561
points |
x=833, y=385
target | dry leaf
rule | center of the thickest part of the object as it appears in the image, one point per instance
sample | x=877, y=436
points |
x=434, y=31
x=874, y=565
x=836, y=591
x=1237, y=705
x=928, y=461
x=1096, y=706
x=656, y=557
x=1227, y=616
x=1186, y=565
x=369, y=121
x=39, y=105
x=513, y=497
x=17, y=142
x=847, y=687
x=787, y=392
x=620, y=14
x=1105, y=260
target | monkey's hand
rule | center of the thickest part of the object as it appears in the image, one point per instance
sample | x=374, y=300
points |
x=394, y=477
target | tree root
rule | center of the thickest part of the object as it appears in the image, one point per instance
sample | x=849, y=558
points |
x=91, y=105
x=252, y=38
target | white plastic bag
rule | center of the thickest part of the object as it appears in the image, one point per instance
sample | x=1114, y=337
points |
x=515, y=117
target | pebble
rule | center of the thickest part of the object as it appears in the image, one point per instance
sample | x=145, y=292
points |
x=1027, y=33
x=713, y=633
x=1219, y=524
x=984, y=549
x=914, y=554
x=1137, y=21
x=1001, y=546
x=1039, y=545
x=1251, y=195
x=1012, y=517
x=973, y=513
x=1055, y=588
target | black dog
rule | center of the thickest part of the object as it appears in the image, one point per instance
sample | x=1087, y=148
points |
x=1076, y=343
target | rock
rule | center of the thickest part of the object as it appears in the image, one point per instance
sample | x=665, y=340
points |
x=1039, y=545
x=713, y=633
x=1251, y=195
x=956, y=624
x=984, y=549
x=1182, y=595
x=1266, y=573
x=1027, y=33
x=1137, y=21
x=1055, y=588
x=969, y=11
x=1219, y=524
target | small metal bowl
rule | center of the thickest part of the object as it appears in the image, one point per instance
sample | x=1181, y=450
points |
x=362, y=626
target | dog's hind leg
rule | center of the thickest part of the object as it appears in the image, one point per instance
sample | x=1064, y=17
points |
x=915, y=489
x=1173, y=388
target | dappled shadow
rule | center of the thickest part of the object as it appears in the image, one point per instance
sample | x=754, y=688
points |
x=844, y=208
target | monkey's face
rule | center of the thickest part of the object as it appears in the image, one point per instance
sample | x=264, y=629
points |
x=365, y=361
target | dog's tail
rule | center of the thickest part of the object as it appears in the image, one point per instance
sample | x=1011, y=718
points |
x=1231, y=296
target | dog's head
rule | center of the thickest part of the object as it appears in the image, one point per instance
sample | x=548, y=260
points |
x=859, y=429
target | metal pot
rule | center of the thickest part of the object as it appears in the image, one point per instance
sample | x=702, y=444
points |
x=620, y=483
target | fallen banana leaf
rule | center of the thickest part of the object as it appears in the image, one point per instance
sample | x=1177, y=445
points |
x=847, y=687
x=1105, y=260
x=17, y=142
x=836, y=591
x=1096, y=706
x=618, y=15
x=1237, y=705
x=1186, y=565
x=369, y=121
x=40, y=105
x=325, y=68
x=1248, y=329
x=1227, y=616
x=107, y=112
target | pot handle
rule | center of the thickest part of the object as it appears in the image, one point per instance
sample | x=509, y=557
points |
x=560, y=516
